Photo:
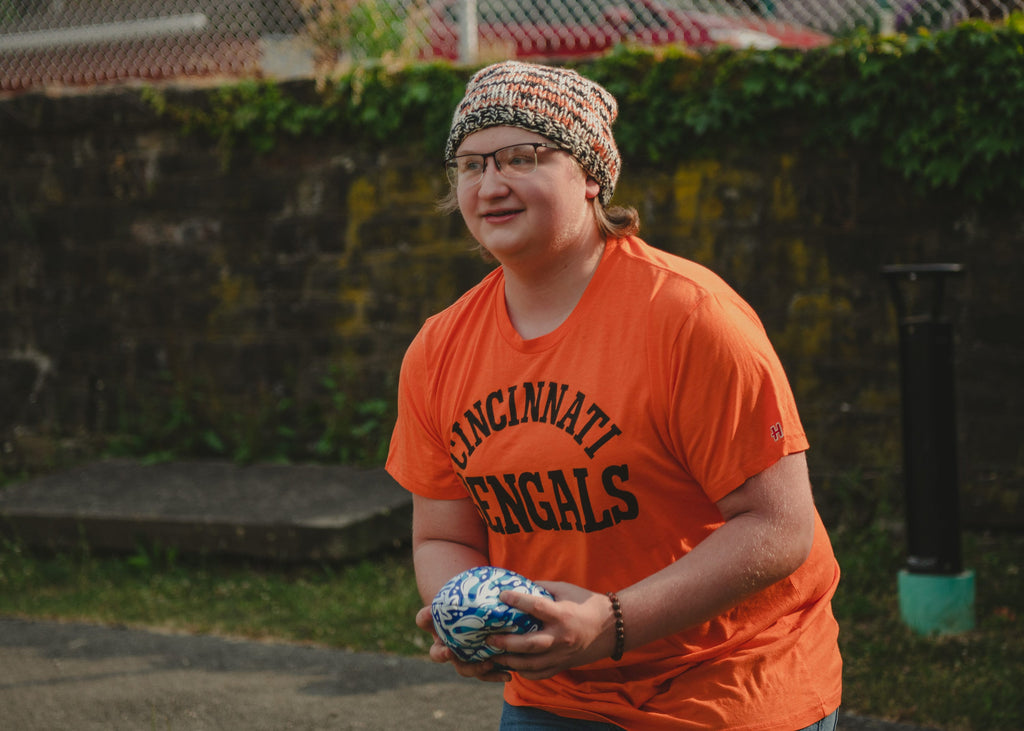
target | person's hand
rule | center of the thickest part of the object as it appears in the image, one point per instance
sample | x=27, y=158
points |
x=488, y=670
x=578, y=629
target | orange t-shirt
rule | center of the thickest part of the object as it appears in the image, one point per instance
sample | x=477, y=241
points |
x=595, y=455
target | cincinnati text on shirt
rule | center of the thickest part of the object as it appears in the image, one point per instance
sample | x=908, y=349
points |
x=511, y=406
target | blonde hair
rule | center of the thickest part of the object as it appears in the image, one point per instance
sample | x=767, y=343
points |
x=615, y=222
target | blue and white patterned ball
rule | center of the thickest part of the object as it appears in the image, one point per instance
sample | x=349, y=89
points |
x=466, y=610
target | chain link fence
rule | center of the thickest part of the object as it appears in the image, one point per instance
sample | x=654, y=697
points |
x=89, y=42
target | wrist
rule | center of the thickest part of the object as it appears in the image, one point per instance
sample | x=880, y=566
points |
x=618, y=628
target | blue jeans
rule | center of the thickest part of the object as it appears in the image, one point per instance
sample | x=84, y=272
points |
x=523, y=718
x=828, y=723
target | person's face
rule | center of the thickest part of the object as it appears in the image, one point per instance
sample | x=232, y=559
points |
x=538, y=214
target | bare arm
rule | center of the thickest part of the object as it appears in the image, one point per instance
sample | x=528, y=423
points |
x=448, y=536
x=767, y=534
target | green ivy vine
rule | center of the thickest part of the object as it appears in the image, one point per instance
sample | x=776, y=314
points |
x=942, y=109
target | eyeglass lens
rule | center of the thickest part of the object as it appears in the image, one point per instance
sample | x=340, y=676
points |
x=510, y=161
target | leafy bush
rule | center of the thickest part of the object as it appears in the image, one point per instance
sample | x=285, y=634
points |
x=940, y=108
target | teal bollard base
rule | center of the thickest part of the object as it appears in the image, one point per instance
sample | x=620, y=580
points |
x=937, y=603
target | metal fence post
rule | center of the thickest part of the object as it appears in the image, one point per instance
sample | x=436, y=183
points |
x=936, y=594
x=468, y=39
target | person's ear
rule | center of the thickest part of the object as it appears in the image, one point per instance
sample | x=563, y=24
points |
x=593, y=188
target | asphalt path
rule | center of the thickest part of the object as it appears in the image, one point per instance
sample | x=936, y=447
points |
x=83, y=677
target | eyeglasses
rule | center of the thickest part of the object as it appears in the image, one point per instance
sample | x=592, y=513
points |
x=513, y=161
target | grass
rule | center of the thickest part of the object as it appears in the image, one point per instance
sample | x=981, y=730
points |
x=971, y=681
x=966, y=683
x=363, y=606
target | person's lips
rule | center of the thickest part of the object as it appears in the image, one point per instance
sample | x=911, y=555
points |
x=500, y=215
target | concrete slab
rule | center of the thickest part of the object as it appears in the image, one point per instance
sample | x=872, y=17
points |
x=272, y=512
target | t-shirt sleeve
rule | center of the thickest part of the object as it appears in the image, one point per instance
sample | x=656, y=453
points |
x=732, y=411
x=417, y=456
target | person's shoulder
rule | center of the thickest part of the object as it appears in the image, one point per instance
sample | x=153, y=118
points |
x=671, y=275
x=675, y=288
x=470, y=305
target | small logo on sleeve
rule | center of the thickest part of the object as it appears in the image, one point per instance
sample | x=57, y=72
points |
x=776, y=431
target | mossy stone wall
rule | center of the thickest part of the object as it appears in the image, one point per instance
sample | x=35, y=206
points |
x=137, y=266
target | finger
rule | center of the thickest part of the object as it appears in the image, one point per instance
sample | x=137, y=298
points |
x=537, y=606
x=487, y=671
x=539, y=674
x=529, y=643
x=424, y=619
x=440, y=653
x=528, y=666
x=498, y=675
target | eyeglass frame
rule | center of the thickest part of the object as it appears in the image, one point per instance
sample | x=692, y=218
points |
x=451, y=164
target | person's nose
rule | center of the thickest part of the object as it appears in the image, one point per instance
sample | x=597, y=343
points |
x=492, y=182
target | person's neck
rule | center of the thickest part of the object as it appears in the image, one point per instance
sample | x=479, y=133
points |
x=540, y=298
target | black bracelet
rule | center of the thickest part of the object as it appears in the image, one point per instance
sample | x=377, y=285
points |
x=620, y=628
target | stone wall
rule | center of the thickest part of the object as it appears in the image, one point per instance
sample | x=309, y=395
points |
x=135, y=259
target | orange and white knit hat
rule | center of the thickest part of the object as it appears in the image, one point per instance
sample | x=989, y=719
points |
x=570, y=110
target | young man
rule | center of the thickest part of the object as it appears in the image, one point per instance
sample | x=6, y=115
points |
x=611, y=421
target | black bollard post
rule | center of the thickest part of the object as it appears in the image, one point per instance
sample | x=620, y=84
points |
x=936, y=595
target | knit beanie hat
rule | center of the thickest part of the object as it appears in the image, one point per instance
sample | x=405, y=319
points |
x=571, y=111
